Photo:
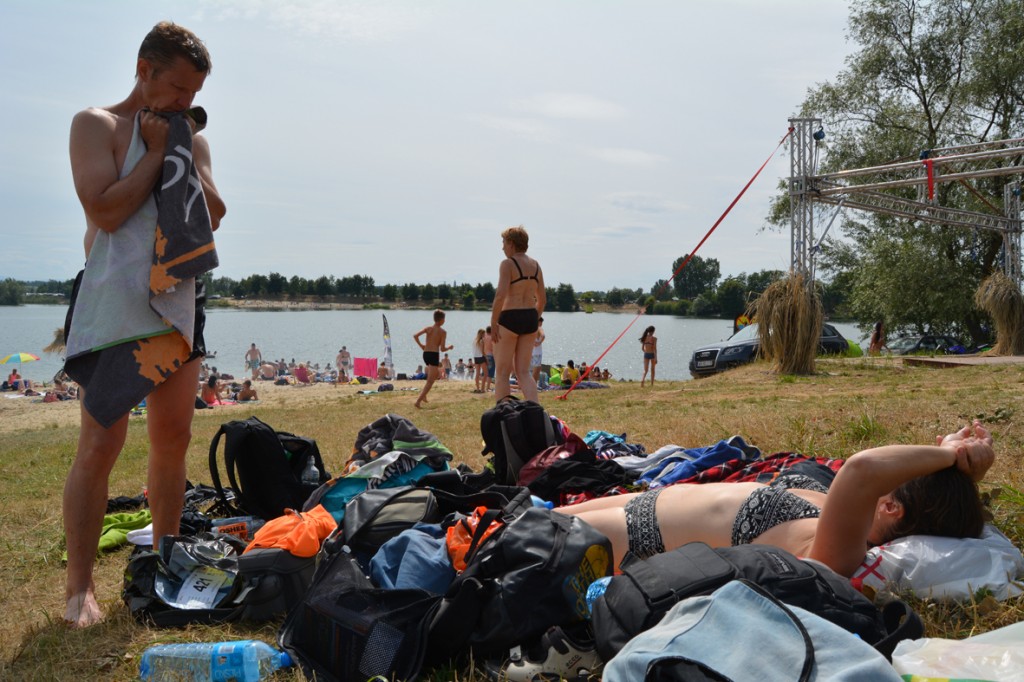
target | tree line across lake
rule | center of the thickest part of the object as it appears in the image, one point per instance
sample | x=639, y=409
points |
x=698, y=290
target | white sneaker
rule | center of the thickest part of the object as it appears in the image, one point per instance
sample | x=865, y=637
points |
x=559, y=657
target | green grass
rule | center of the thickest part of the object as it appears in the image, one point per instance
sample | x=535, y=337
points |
x=849, y=404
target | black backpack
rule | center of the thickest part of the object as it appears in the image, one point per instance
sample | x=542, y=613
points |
x=268, y=583
x=514, y=431
x=345, y=628
x=528, y=576
x=375, y=516
x=637, y=599
x=269, y=467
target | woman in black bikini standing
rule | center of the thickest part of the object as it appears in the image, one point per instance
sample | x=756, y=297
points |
x=649, y=345
x=518, y=303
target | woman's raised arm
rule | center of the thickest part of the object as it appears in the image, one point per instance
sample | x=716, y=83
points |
x=859, y=505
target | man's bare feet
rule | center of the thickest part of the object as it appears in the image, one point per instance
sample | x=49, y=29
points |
x=416, y=404
x=82, y=610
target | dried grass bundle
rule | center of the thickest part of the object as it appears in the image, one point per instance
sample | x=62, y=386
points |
x=789, y=316
x=1000, y=297
x=58, y=344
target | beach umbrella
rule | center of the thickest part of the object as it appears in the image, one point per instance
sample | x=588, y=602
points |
x=18, y=358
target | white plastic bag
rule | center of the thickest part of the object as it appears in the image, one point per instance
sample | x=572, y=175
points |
x=967, y=659
x=945, y=568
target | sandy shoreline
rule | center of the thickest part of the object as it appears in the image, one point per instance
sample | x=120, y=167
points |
x=18, y=414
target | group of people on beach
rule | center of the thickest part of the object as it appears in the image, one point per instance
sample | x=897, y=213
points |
x=62, y=388
x=16, y=382
x=299, y=374
x=117, y=157
x=219, y=389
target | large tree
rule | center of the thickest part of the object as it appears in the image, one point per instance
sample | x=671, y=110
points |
x=731, y=297
x=925, y=75
x=277, y=284
x=699, y=276
x=565, y=298
x=11, y=292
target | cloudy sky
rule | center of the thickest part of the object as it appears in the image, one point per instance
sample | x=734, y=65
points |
x=398, y=138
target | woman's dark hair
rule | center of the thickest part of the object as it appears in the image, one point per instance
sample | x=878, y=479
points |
x=647, y=332
x=212, y=382
x=943, y=503
x=877, y=333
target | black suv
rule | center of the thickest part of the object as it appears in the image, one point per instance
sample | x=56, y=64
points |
x=742, y=348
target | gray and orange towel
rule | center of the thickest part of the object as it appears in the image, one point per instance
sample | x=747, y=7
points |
x=132, y=321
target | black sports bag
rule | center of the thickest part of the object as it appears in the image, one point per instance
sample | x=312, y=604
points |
x=637, y=599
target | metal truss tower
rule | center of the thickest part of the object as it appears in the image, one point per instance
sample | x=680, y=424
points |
x=802, y=170
x=865, y=189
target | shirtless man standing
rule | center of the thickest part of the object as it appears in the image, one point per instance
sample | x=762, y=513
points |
x=432, y=347
x=171, y=68
x=343, y=361
x=253, y=360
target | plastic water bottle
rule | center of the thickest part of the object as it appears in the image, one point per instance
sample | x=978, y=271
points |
x=595, y=590
x=246, y=660
x=538, y=502
x=311, y=475
x=242, y=527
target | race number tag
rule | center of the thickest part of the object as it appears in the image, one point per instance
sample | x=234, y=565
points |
x=199, y=590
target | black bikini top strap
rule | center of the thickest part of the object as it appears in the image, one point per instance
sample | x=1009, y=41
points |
x=520, y=269
x=516, y=263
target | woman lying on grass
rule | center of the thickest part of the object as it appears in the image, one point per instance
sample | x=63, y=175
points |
x=878, y=495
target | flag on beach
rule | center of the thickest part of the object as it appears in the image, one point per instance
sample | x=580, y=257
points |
x=387, y=348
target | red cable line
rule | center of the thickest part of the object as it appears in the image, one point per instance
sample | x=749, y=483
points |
x=681, y=266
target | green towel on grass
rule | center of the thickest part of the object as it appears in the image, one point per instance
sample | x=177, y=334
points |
x=116, y=527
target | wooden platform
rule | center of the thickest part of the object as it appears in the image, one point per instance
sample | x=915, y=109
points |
x=962, y=360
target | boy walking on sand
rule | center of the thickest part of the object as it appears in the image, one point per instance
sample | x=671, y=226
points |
x=432, y=347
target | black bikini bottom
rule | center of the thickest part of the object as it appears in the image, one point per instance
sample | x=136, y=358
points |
x=520, y=320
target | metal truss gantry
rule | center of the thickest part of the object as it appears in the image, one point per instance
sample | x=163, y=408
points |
x=865, y=189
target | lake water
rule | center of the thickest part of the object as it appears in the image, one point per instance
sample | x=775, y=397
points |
x=317, y=335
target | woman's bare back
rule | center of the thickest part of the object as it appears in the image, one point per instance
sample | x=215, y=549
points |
x=700, y=513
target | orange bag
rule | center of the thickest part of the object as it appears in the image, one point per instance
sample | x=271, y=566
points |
x=300, y=533
x=465, y=536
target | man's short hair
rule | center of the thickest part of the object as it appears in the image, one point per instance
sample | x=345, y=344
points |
x=517, y=235
x=438, y=315
x=168, y=41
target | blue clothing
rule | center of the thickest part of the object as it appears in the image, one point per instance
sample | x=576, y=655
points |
x=736, y=630
x=416, y=558
x=689, y=462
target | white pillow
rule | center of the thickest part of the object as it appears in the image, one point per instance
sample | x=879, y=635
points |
x=945, y=568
